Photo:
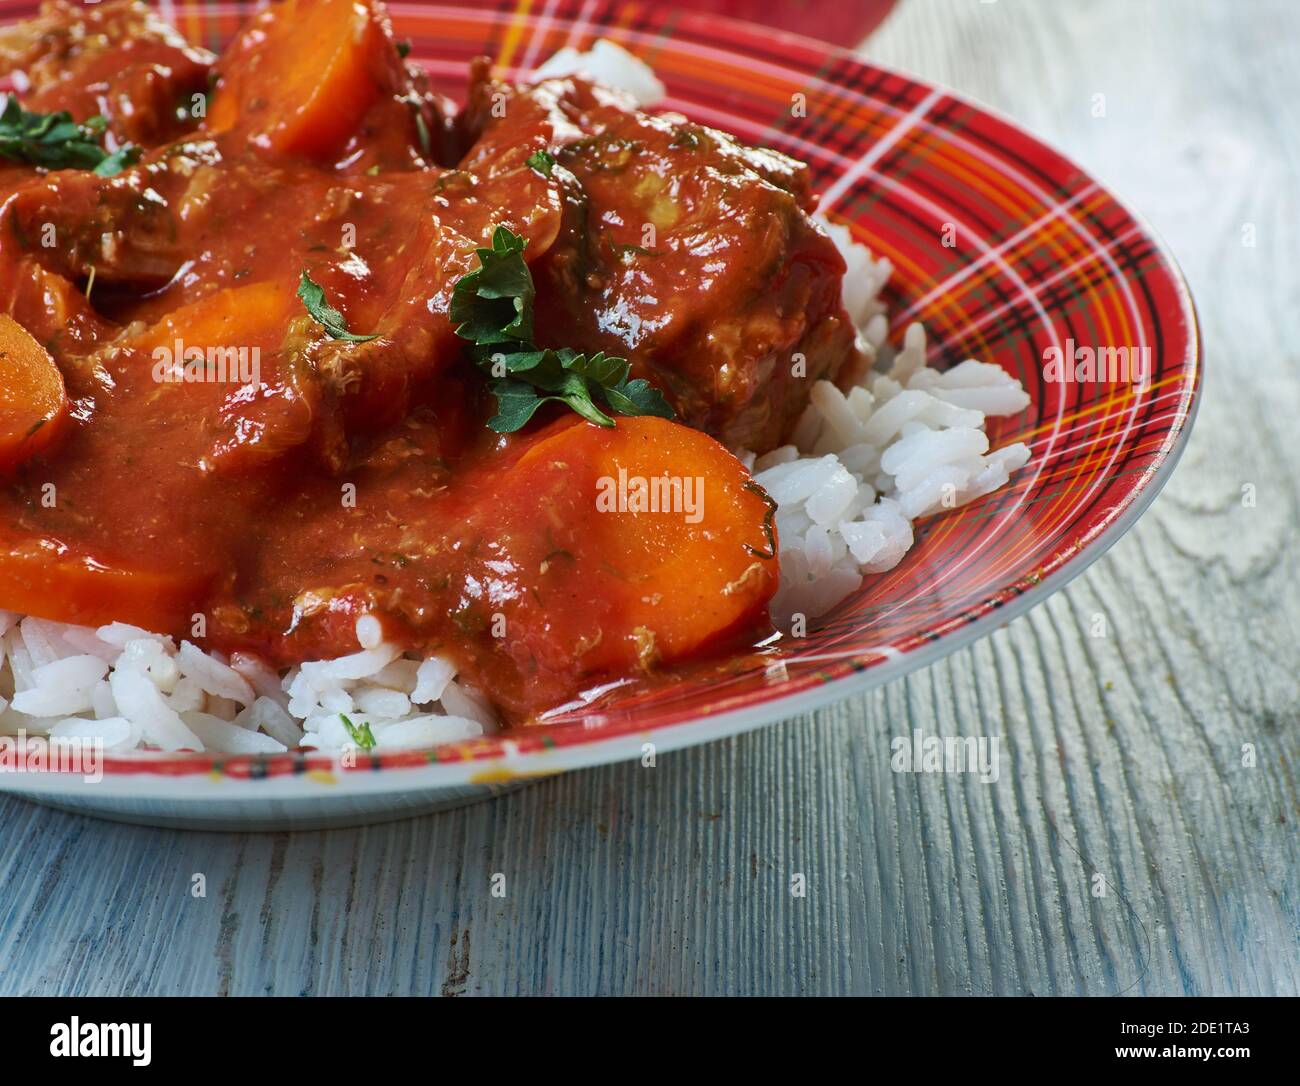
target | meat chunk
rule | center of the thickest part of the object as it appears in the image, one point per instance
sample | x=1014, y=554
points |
x=187, y=222
x=682, y=250
x=451, y=217
x=116, y=59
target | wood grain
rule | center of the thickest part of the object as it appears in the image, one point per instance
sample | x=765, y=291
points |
x=1122, y=755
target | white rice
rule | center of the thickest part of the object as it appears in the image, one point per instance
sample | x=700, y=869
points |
x=610, y=64
x=862, y=467
x=133, y=689
x=907, y=442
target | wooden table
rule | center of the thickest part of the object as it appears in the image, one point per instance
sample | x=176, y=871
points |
x=1122, y=755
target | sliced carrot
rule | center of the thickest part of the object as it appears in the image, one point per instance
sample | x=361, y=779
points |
x=33, y=401
x=302, y=74
x=254, y=315
x=686, y=573
x=45, y=578
x=614, y=551
x=243, y=329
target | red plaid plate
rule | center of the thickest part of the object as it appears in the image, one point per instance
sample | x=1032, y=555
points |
x=1044, y=255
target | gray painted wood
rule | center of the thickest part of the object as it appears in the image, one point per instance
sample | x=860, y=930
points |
x=1121, y=754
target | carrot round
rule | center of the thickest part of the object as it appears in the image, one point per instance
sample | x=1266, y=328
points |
x=246, y=325
x=252, y=315
x=302, y=75
x=613, y=550
x=33, y=400
x=46, y=578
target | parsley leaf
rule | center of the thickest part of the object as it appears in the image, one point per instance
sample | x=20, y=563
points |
x=57, y=142
x=313, y=297
x=119, y=160
x=637, y=397
x=360, y=734
x=517, y=402
x=422, y=133
x=541, y=161
x=493, y=309
x=494, y=305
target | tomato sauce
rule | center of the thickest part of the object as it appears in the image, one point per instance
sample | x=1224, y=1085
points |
x=222, y=466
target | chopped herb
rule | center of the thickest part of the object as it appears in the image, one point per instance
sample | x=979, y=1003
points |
x=403, y=48
x=57, y=142
x=453, y=181
x=422, y=132
x=541, y=161
x=493, y=309
x=119, y=160
x=361, y=734
x=313, y=297
x=685, y=138
x=578, y=380
x=493, y=306
x=469, y=620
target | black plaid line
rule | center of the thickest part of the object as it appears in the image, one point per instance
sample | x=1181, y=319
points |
x=827, y=131
x=823, y=125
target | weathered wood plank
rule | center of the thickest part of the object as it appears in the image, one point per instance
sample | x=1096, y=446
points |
x=1121, y=754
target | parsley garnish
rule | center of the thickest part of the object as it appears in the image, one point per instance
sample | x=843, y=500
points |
x=119, y=160
x=541, y=161
x=313, y=297
x=57, y=142
x=493, y=306
x=565, y=376
x=422, y=133
x=361, y=734
x=493, y=309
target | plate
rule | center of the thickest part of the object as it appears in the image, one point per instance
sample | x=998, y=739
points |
x=1002, y=246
